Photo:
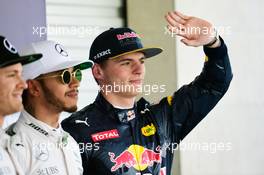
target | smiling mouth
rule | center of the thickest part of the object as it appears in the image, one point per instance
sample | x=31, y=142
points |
x=137, y=82
x=18, y=96
x=72, y=94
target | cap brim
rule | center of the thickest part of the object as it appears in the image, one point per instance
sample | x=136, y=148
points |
x=23, y=60
x=80, y=64
x=148, y=52
x=30, y=58
x=85, y=65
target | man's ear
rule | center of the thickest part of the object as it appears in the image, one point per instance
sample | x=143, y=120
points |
x=98, y=72
x=34, y=87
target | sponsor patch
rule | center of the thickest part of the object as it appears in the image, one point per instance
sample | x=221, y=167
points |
x=83, y=121
x=41, y=152
x=148, y=130
x=59, y=48
x=206, y=58
x=9, y=46
x=169, y=99
x=103, y=53
x=48, y=171
x=37, y=128
x=130, y=115
x=127, y=35
x=136, y=156
x=105, y=135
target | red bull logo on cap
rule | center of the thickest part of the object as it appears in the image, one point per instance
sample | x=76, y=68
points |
x=135, y=156
x=127, y=35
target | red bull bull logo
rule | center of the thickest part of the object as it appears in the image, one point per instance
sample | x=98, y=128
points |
x=125, y=158
x=135, y=156
x=148, y=157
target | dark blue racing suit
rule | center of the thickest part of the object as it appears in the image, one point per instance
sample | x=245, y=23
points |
x=140, y=140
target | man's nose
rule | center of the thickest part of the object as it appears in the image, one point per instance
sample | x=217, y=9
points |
x=22, y=83
x=74, y=82
x=138, y=67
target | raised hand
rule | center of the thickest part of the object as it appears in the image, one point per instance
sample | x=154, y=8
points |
x=195, y=31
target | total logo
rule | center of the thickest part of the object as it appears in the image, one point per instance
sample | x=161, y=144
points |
x=105, y=135
x=135, y=156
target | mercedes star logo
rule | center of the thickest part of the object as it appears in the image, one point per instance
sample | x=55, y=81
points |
x=9, y=46
x=59, y=48
x=41, y=152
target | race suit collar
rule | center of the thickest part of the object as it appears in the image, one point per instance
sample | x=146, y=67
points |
x=1, y=131
x=47, y=130
x=3, y=137
x=122, y=115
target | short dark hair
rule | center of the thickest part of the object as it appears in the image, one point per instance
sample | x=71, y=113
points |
x=102, y=64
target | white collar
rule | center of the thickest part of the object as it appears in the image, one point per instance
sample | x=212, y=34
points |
x=119, y=107
x=29, y=119
x=1, y=131
x=3, y=137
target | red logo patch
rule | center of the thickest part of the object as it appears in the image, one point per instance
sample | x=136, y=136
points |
x=127, y=35
x=105, y=135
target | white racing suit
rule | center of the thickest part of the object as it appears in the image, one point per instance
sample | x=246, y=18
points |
x=8, y=163
x=43, y=150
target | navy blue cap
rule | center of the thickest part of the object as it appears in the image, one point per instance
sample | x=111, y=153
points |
x=116, y=42
x=9, y=54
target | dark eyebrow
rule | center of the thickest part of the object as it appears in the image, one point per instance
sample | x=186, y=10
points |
x=12, y=71
x=128, y=59
x=124, y=59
